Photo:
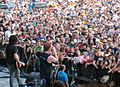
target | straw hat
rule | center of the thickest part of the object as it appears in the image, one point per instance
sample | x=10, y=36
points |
x=106, y=55
x=104, y=40
x=99, y=42
x=109, y=39
x=95, y=29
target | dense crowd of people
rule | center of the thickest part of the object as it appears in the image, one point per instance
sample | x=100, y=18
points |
x=86, y=31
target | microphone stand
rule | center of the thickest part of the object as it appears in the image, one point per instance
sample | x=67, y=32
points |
x=72, y=84
x=36, y=84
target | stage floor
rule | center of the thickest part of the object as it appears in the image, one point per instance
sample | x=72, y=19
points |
x=4, y=79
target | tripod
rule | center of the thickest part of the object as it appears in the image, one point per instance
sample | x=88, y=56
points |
x=35, y=81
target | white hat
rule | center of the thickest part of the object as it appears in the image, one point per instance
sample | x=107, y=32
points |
x=33, y=42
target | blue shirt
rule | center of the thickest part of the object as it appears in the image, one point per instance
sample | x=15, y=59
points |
x=62, y=76
x=40, y=38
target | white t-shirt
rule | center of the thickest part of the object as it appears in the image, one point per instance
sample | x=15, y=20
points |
x=7, y=34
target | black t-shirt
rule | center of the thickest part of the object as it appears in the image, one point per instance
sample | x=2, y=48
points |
x=21, y=54
x=10, y=50
x=83, y=50
x=45, y=67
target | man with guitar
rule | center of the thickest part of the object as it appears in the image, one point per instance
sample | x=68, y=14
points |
x=13, y=60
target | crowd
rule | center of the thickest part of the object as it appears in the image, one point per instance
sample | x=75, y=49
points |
x=86, y=30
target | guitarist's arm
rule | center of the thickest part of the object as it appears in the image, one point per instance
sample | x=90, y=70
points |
x=18, y=62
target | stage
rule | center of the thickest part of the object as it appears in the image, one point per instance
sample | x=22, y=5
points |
x=4, y=79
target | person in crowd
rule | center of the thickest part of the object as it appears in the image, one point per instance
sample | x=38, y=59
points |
x=62, y=76
x=58, y=84
x=13, y=60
